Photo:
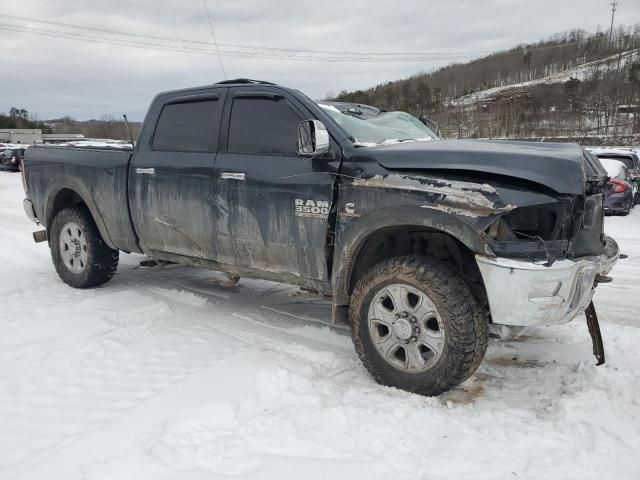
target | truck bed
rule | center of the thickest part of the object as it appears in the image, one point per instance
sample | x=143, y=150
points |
x=98, y=174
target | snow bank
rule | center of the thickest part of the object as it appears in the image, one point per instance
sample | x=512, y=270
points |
x=90, y=144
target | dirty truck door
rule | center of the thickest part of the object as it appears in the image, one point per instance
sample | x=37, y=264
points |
x=274, y=205
x=171, y=178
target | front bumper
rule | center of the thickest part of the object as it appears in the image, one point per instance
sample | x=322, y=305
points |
x=529, y=294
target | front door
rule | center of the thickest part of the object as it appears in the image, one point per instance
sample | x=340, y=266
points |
x=273, y=204
x=171, y=178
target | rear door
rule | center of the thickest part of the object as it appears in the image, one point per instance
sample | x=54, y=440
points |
x=171, y=178
x=273, y=204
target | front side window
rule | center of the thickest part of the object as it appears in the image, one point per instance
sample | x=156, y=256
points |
x=188, y=127
x=262, y=125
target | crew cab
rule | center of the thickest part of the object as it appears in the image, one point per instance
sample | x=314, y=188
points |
x=420, y=242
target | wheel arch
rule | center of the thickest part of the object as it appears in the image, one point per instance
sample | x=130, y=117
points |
x=68, y=194
x=368, y=242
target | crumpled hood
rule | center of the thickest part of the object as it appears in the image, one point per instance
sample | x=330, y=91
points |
x=559, y=166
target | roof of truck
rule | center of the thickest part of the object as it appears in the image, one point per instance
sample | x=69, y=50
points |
x=244, y=81
x=236, y=82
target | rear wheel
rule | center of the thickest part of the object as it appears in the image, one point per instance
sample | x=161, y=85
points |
x=79, y=254
x=416, y=325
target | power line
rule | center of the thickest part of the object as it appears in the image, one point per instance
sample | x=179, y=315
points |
x=185, y=49
x=243, y=46
x=111, y=37
x=215, y=43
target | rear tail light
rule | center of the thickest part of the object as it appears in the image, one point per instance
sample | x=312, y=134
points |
x=618, y=186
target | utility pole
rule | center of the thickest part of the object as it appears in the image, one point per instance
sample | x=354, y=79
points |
x=614, y=4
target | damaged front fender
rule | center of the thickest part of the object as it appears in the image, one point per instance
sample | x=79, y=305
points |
x=458, y=207
x=451, y=196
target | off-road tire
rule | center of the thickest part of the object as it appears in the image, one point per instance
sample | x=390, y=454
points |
x=102, y=261
x=465, y=324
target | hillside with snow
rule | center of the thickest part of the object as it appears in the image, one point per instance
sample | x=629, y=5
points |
x=582, y=72
x=574, y=86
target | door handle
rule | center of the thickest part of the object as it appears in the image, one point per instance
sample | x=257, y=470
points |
x=233, y=176
x=146, y=171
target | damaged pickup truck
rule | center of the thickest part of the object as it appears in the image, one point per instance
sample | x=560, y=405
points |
x=421, y=243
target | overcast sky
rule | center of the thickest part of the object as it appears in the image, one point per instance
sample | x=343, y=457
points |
x=52, y=76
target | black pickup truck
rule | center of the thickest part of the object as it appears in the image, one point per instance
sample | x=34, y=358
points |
x=420, y=242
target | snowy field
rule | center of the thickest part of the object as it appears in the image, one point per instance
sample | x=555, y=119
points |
x=162, y=374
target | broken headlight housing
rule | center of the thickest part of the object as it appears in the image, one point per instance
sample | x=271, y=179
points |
x=537, y=232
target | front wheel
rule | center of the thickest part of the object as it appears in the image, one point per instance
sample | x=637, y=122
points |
x=416, y=325
x=79, y=254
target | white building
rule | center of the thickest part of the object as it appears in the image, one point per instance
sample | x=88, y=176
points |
x=62, y=137
x=21, y=135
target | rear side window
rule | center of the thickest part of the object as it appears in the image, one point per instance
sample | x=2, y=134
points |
x=627, y=161
x=188, y=127
x=263, y=125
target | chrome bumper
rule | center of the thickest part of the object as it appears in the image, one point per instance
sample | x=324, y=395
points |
x=528, y=294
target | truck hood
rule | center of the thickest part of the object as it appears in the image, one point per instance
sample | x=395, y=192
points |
x=561, y=167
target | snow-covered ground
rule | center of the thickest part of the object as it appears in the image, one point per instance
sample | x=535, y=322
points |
x=162, y=374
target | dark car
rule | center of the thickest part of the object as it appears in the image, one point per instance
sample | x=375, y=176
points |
x=630, y=160
x=10, y=158
x=619, y=197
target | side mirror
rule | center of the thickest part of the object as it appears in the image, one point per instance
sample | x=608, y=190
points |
x=634, y=173
x=313, y=138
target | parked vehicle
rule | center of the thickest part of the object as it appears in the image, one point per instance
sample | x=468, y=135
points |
x=631, y=160
x=10, y=157
x=420, y=244
x=619, y=198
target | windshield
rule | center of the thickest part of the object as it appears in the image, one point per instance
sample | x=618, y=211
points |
x=385, y=128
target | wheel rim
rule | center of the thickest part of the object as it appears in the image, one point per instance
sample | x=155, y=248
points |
x=406, y=328
x=73, y=247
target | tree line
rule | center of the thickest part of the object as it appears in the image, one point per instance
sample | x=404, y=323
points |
x=20, y=118
x=105, y=127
